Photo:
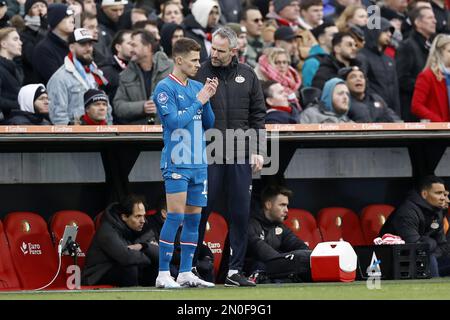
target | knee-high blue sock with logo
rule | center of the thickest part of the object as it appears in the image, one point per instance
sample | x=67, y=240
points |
x=167, y=237
x=188, y=240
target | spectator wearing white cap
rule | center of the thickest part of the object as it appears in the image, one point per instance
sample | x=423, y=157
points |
x=201, y=23
x=49, y=54
x=77, y=75
x=33, y=101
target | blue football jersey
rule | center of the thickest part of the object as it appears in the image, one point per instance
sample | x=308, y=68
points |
x=184, y=120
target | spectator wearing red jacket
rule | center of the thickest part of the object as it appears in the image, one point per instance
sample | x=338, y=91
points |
x=431, y=99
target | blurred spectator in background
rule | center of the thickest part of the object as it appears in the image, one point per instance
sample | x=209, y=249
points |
x=311, y=14
x=49, y=54
x=201, y=23
x=96, y=108
x=279, y=110
x=132, y=102
x=36, y=25
x=170, y=32
x=430, y=100
x=412, y=55
x=241, y=33
x=101, y=49
x=121, y=54
x=354, y=15
x=275, y=65
x=252, y=20
x=365, y=106
x=333, y=106
x=33, y=101
x=11, y=74
x=77, y=75
x=324, y=35
x=108, y=17
x=171, y=13
x=343, y=55
x=378, y=67
x=4, y=18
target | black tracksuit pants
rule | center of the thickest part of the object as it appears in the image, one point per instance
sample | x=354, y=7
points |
x=234, y=183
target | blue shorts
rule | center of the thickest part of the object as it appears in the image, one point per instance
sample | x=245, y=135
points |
x=192, y=181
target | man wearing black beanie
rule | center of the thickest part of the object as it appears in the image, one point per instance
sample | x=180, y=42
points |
x=96, y=107
x=49, y=54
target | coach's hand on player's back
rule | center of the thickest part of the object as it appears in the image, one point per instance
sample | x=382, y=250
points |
x=149, y=107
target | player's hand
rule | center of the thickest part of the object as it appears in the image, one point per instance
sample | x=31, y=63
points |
x=149, y=107
x=257, y=162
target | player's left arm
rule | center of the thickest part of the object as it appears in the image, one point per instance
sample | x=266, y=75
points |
x=208, y=116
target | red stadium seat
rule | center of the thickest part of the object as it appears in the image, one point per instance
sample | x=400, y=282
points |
x=33, y=254
x=86, y=232
x=8, y=276
x=304, y=225
x=372, y=219
x=215, y=235
x=336, y=223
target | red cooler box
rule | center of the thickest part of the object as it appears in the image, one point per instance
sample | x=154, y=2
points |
x=333, y=261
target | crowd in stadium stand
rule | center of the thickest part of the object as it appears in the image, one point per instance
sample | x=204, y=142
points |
x=399, y=51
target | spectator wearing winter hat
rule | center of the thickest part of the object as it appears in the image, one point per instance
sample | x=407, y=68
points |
x=33, y=101
x=333, y=105
x=366, y=106
x=77, y=75
x=200, y=24
x=286, y=13
x=241, y=33
x=286, y=39
x=35, y=30
x=108, y=17
x=324, y=35
x=379, y=68
x=96, y=108
x=11, y=75
x=170, y=32
x=49, y=54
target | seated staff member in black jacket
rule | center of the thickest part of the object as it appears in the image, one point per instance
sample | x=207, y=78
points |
x=237, y=104
x=122, y=253
x=419, y=219
x=272, y=247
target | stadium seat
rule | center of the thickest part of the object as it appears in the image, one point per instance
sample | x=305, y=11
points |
x=337, y=223
x=215, y=235
x=8, y=276
x=34, y=257
x=304, y=225
x=86, y=232
x=372, y=219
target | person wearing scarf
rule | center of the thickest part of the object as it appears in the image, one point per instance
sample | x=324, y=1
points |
x=275, y=65
x=69, y=83
x=333, y=105
x=95, y=106
x=431, y=99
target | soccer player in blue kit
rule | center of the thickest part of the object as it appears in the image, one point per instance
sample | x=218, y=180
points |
x=185, y=112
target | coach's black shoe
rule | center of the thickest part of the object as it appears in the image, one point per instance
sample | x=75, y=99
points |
x=238, y=280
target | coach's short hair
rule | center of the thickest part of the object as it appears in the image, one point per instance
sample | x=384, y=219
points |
x=184, y=46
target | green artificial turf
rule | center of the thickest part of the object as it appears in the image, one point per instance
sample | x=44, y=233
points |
x=403, y=290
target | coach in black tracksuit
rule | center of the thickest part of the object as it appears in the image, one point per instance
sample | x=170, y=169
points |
x=237, y=104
